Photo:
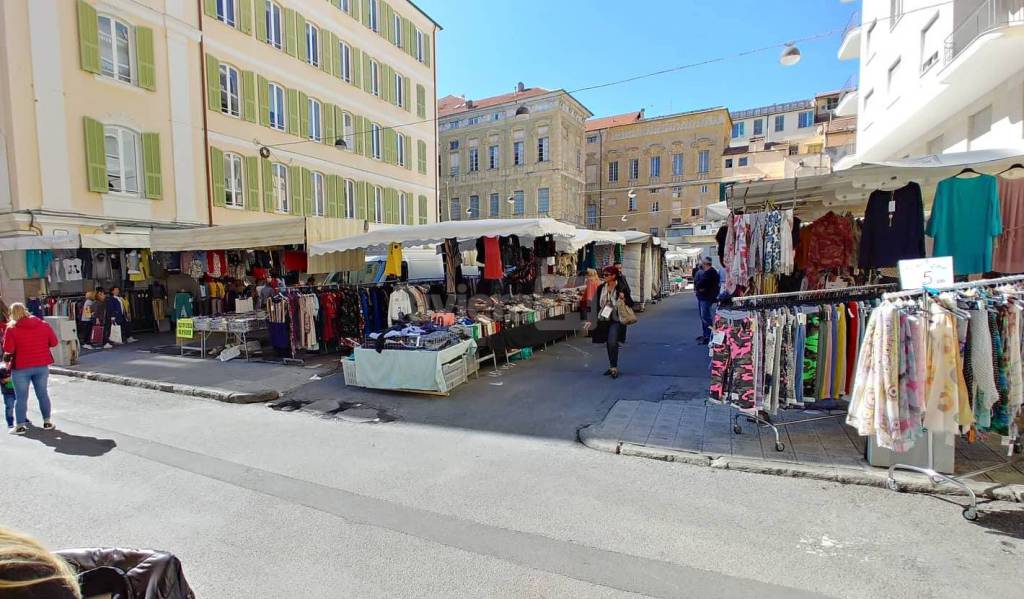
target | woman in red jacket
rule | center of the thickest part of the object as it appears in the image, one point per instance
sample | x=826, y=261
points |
x=29, y=340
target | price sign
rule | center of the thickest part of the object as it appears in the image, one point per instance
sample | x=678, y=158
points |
x=926, y=272
x=185, y=330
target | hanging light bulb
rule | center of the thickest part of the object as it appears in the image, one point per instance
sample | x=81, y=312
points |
x=631, y=194
x=624, y=219
x=790, y=55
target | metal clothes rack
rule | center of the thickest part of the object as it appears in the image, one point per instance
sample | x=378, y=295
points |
x=817, y=296
x=934, y=477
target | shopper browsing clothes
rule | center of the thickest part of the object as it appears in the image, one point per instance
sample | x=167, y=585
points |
x=85, y=320
x=707, y=286
x=29, y=339
x=117, y=313
x=99, y=317
x=607, y=317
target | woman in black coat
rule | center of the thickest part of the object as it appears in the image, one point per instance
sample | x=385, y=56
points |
x=603, y=319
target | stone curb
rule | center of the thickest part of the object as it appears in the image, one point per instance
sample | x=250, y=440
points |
x=910, y=483
x=205, y=392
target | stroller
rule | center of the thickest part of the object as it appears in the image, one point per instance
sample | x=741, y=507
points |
x=111, y=573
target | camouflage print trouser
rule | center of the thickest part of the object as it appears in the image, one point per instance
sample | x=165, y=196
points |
x=732, y=365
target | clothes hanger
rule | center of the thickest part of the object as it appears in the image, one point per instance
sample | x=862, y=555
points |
x=968, y=171
x=1015, y=167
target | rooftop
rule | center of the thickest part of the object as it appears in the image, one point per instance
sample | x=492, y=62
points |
x=772, y=109
x=618, y=119
x=450, y=105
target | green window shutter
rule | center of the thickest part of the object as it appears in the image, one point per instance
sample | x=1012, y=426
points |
x=293, y=111
x=88, y=39
x=421, y=101
x=295, y=189
x=261, y=22
x=359, y=126
x=360, y=200
x=357, y=67
x=151, y=166
x=300, y=37
x=422, y=212
x=252, y=183
x=210, y=6
x=364, y=12
x=393, y=207
x=421, y=156
x=95, y=156
x=332, y=197
x=291, y=44
x=407, y=143
x=389, y=146
x=217, y=175
x=145, y=58
x=324, y=39
x=245, y=16
x=407, y=203
x=388, y=76
x=212, y=83
x=327, y=117
x=367, y=77
x=304, y=115
x=426, y=49
x=249, y=110
x=263, y=87
x=406, y=86
x=266, y=169
x=307, y=192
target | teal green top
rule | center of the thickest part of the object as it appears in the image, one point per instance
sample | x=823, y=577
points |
x=964, y=221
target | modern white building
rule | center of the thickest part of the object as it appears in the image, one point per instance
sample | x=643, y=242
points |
x=936, y=77
x=774, y=124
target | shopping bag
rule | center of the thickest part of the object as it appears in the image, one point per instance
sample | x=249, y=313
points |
x=626, y=314
x=115, y=334
x=96, y=335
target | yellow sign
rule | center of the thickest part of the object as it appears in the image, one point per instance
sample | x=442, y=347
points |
x=185, y=330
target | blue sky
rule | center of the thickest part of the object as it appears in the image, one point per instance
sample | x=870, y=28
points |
x=489, y=45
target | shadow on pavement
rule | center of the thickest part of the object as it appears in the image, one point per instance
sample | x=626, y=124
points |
x=69, y=444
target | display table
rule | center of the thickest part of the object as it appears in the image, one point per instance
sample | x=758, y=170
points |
x=540, y=333
x=413, y=370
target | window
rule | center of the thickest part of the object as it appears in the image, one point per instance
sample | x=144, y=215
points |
x=316, y=130
x=592, y=215
x=634, y=169
x=868, y=36
x=474, y=206
x=226, y=11
x=496, y=116
x=677, y=165
x=399, y=90
x=704, y=162
x=978, y=124
x=738, y=129
x=346, y=61
x=453, y=145
x=517, y=153
x=397, y=30
x=655, y=166
x=814, y=148
x=542, y=150
x=312, y=45
x=867, y=99
x=780, y=122
x=115, y=49
x=805, y=119
x=895, y=12
x=758, y=127
x=350, y=199
x=543, y=201
x=743, y=161
x=492, y=157
x=419, y=45
x=579, y=160
x=455, y=212
x=794, y=149
x=346, y=132
x=317, y=179
x=373, y=14
x=694, y=211
x=374, y=78
x=122, y=151
x=728, y=163
x=273, y=17
x=613, y=171
x=453, y=161
x=655, y=207
x=704, y=188
x=344, y=5
x=592, y=139
x=929, y=45
x=230, y=102
x=632, y=203
x=936, y=145
x=518, y=203
x=495, y=201
x=378, y=204
x=403, y=209
x=400, y=143
x=280, y=181
x=375, y=141
x=474, y=160
x=473, y=120
x=892, y=78
x=233, y=181
x=277, y=107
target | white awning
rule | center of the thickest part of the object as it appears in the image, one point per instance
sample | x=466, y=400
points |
x=584, y=237
x=378, y=241
x=125, y=241
x=635, y=236
x=62, y=241
x=270, y=233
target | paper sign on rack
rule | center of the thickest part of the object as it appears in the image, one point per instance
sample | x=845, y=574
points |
x=926, y=272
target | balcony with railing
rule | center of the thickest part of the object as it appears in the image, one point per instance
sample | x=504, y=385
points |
x=849, y=47
x=990, y=16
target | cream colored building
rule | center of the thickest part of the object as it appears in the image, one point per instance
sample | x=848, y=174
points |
x=517, y=155
x=654, y=174
x=153, y=113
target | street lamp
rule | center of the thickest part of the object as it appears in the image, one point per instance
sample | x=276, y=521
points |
x=790, y=55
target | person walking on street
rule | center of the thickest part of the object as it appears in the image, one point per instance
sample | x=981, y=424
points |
x=29, y=339
x=85, y=321
x=707, y=286
x=604, y=317
x=99, y=316
x=117, y=314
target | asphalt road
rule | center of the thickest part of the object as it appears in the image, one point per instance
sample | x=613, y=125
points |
x=259, y=503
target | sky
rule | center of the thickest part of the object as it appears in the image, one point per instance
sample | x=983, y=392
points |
x=487, y=46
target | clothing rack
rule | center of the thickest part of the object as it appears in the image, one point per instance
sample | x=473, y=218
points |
x=970, y=512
